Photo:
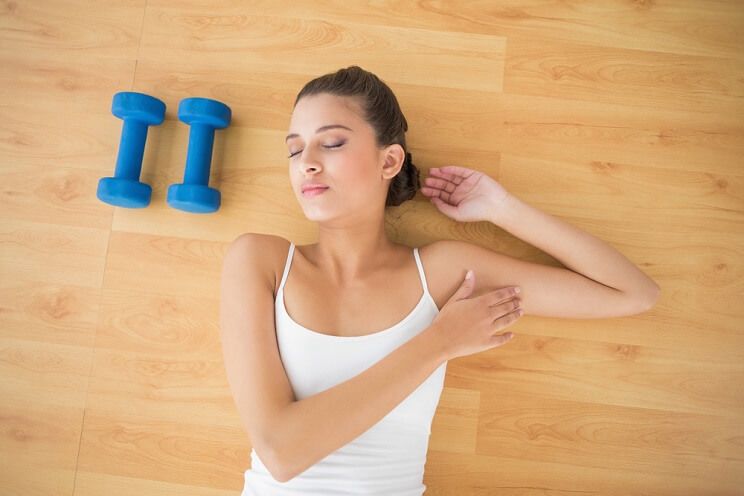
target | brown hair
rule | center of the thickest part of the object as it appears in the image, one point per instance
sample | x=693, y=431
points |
x=382, y=112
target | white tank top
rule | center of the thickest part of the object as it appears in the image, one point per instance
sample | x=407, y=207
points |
x=388, y=458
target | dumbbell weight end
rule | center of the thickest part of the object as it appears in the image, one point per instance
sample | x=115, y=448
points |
x=194, y=198
x=124, y=192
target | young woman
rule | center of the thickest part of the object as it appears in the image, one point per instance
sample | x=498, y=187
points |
x=336, y=351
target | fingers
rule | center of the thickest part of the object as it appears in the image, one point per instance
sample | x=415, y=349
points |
x=505, y=313
x=435, y=194
x=500, y=295
x=441, y=184
x=451, y=173
x=512, y=306
x=439, y=188
x=499, y=339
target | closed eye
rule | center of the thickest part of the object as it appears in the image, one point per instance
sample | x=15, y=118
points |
x=329, y=146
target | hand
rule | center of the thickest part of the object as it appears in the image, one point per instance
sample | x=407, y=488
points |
x=464, y=194
x=465, y=326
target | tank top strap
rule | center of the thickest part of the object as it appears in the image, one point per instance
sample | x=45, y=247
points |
x=422, y=276
x=286, y=266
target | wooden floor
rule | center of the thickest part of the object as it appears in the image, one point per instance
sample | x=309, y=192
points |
x=623, y=118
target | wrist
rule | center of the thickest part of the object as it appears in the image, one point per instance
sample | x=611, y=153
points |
x=434, y=344
x=500, y=210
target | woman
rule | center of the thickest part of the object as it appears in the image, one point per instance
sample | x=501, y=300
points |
x=337, y=365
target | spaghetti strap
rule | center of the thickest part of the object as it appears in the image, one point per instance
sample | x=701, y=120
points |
x=422, y=276
x=287, y=264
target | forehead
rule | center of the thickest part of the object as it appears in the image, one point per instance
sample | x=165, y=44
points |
x=324, y=108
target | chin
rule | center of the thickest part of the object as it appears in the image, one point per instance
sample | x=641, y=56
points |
x=324, y=213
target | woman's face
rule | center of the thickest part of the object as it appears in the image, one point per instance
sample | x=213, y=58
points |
x=346, y=160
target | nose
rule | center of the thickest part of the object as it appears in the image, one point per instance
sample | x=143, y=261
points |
x=308, y=162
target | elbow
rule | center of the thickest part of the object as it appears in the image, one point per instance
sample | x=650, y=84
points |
x=641, y=301
x=277, y=463
x=284, y=456
x=281, y=472
x=650, y=300
x=281, y=475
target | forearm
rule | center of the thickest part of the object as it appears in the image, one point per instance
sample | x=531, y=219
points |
x=576, y=249
x=310, y=429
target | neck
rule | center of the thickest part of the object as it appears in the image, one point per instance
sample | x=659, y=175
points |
x=350, y=254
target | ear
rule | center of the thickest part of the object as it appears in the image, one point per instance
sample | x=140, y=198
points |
x=394, y=157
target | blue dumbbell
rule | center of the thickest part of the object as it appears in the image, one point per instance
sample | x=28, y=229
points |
x=204, y=116
x=138, y=111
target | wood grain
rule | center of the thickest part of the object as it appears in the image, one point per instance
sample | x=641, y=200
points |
x=622, y=117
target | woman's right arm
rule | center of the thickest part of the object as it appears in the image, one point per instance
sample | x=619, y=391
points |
x=312, y=428
x=290, y=435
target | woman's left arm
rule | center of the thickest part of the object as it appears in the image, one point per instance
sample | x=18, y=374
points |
x=468, y=195
x=574, y=248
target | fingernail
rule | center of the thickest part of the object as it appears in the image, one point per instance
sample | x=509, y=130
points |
x=517, y=289
x=469, y=274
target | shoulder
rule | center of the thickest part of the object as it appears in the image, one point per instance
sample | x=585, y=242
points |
x=268, y=251
x=443, y=254
x=446, y=262
x=266, y=240
x=444, y=267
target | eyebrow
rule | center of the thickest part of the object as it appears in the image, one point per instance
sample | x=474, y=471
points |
x=322, y=128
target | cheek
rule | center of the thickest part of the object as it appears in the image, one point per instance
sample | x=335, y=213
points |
x=363, y=179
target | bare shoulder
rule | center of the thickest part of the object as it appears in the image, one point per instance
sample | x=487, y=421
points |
x=444, y=252
x=447, y=260
x=270, y=249
x=444, y=269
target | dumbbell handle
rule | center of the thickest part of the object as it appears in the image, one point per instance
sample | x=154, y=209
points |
x=199, y=154
x=131, y=150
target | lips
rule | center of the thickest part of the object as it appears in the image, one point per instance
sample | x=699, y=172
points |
x=313, y=187
x=314, y=192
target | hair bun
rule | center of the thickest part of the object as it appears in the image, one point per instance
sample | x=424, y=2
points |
x=412, y=172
